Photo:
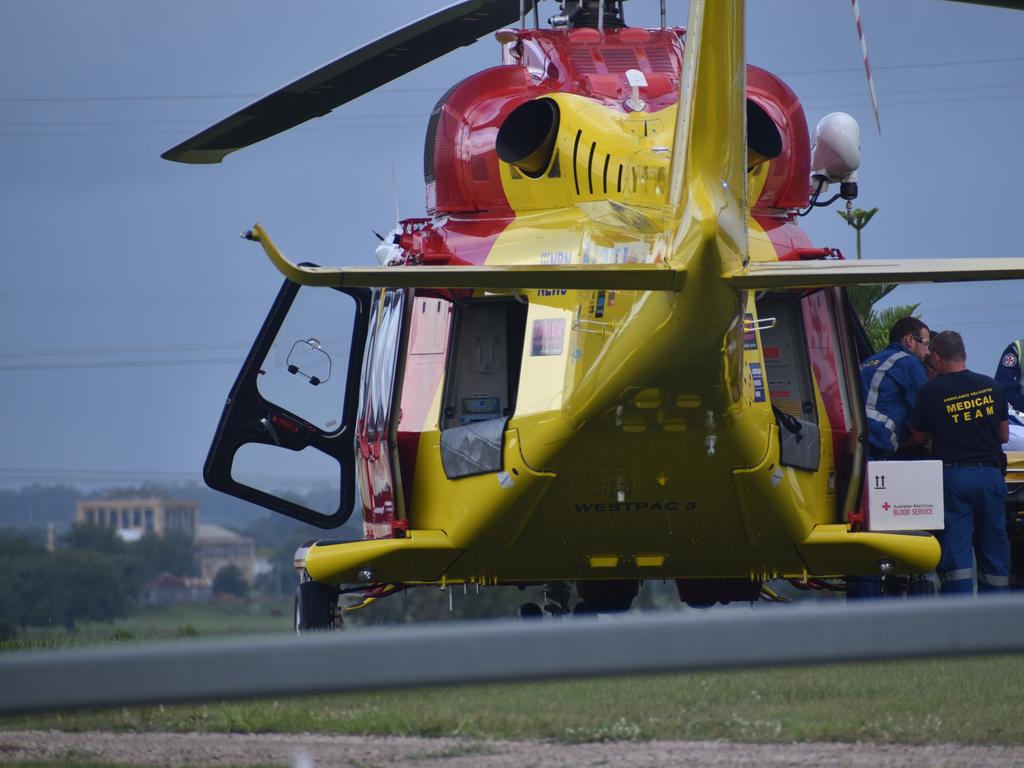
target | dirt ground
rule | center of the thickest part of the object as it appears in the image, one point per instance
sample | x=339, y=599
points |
x=321, y=751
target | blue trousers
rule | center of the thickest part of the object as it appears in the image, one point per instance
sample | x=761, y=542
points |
x=975, y=519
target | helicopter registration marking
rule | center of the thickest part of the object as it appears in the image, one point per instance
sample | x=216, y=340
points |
x=555, y=257
x=635, y=506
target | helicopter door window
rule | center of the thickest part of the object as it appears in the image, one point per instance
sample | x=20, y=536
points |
x=482, y=384
x=790, y=386
x=376, y=394
x=285, y=439
x=312, y=343
x=363, y=414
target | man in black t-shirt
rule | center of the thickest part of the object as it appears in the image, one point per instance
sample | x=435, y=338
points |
x=964, y=414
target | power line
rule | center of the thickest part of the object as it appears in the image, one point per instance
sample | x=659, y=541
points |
x=30, y=473
x=70, y=475
x=401, y=121
x=170, y=131
x=838, y=70
x=121, y=350
x=810, y=102
x=912, y=91
x=905, y=102
x=105, y=123
x=1014, y=305
x=123, y=364
x=438, y=89
x=184, y=97
x=335, y=121
x=126, y=350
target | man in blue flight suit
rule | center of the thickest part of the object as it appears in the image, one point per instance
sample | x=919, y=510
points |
x=890, y=382
x=1008, y=375
x=964, y=415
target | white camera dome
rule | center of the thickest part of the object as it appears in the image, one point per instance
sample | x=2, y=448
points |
x=836, y=151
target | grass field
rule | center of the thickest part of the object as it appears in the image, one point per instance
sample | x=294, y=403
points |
x=966, y=701
x=219, y=618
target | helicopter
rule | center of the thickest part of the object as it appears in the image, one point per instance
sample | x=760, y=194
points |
x=608, y=354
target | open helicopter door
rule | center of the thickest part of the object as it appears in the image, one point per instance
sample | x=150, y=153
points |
x=811, y=355
x=286, y=438
x=788, y=370
x=481, y=385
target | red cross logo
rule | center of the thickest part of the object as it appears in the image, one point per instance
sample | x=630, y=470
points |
x=887, y=506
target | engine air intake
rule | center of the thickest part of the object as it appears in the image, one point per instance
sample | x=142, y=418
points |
x=764, y=141
x=526, y=139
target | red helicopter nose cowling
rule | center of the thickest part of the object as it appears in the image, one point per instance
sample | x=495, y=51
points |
x=460, y=166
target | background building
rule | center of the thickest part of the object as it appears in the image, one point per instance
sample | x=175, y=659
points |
x=215, y=546
x=135, y=517
x=218, y=547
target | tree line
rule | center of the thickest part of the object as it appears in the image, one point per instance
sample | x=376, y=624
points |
x=93, y=575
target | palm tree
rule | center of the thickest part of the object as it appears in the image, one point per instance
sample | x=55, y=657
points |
x=864, y=297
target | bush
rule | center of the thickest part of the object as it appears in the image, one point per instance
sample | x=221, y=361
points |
x=229, y=581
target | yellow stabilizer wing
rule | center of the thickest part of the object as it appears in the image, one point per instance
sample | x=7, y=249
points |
x=823, y=274
x=622, y=277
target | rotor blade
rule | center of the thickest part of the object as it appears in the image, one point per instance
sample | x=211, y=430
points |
x=867, y=64
x=823, y=274
x=622, y=277
x=1012, y=4
x=1016, y=5
x=349, y=77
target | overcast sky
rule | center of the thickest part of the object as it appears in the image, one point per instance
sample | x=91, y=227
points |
x=129, y=301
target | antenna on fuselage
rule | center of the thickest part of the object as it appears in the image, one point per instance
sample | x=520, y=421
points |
x=394, y=191
x=522, y=14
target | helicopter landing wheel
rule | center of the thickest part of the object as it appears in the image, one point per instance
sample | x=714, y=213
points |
x=530, y=611
x=605, y=596
x=921, y=586
x=557, y=595
x=315, y=607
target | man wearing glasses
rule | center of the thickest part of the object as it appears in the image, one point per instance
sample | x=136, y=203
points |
x=890, y=382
